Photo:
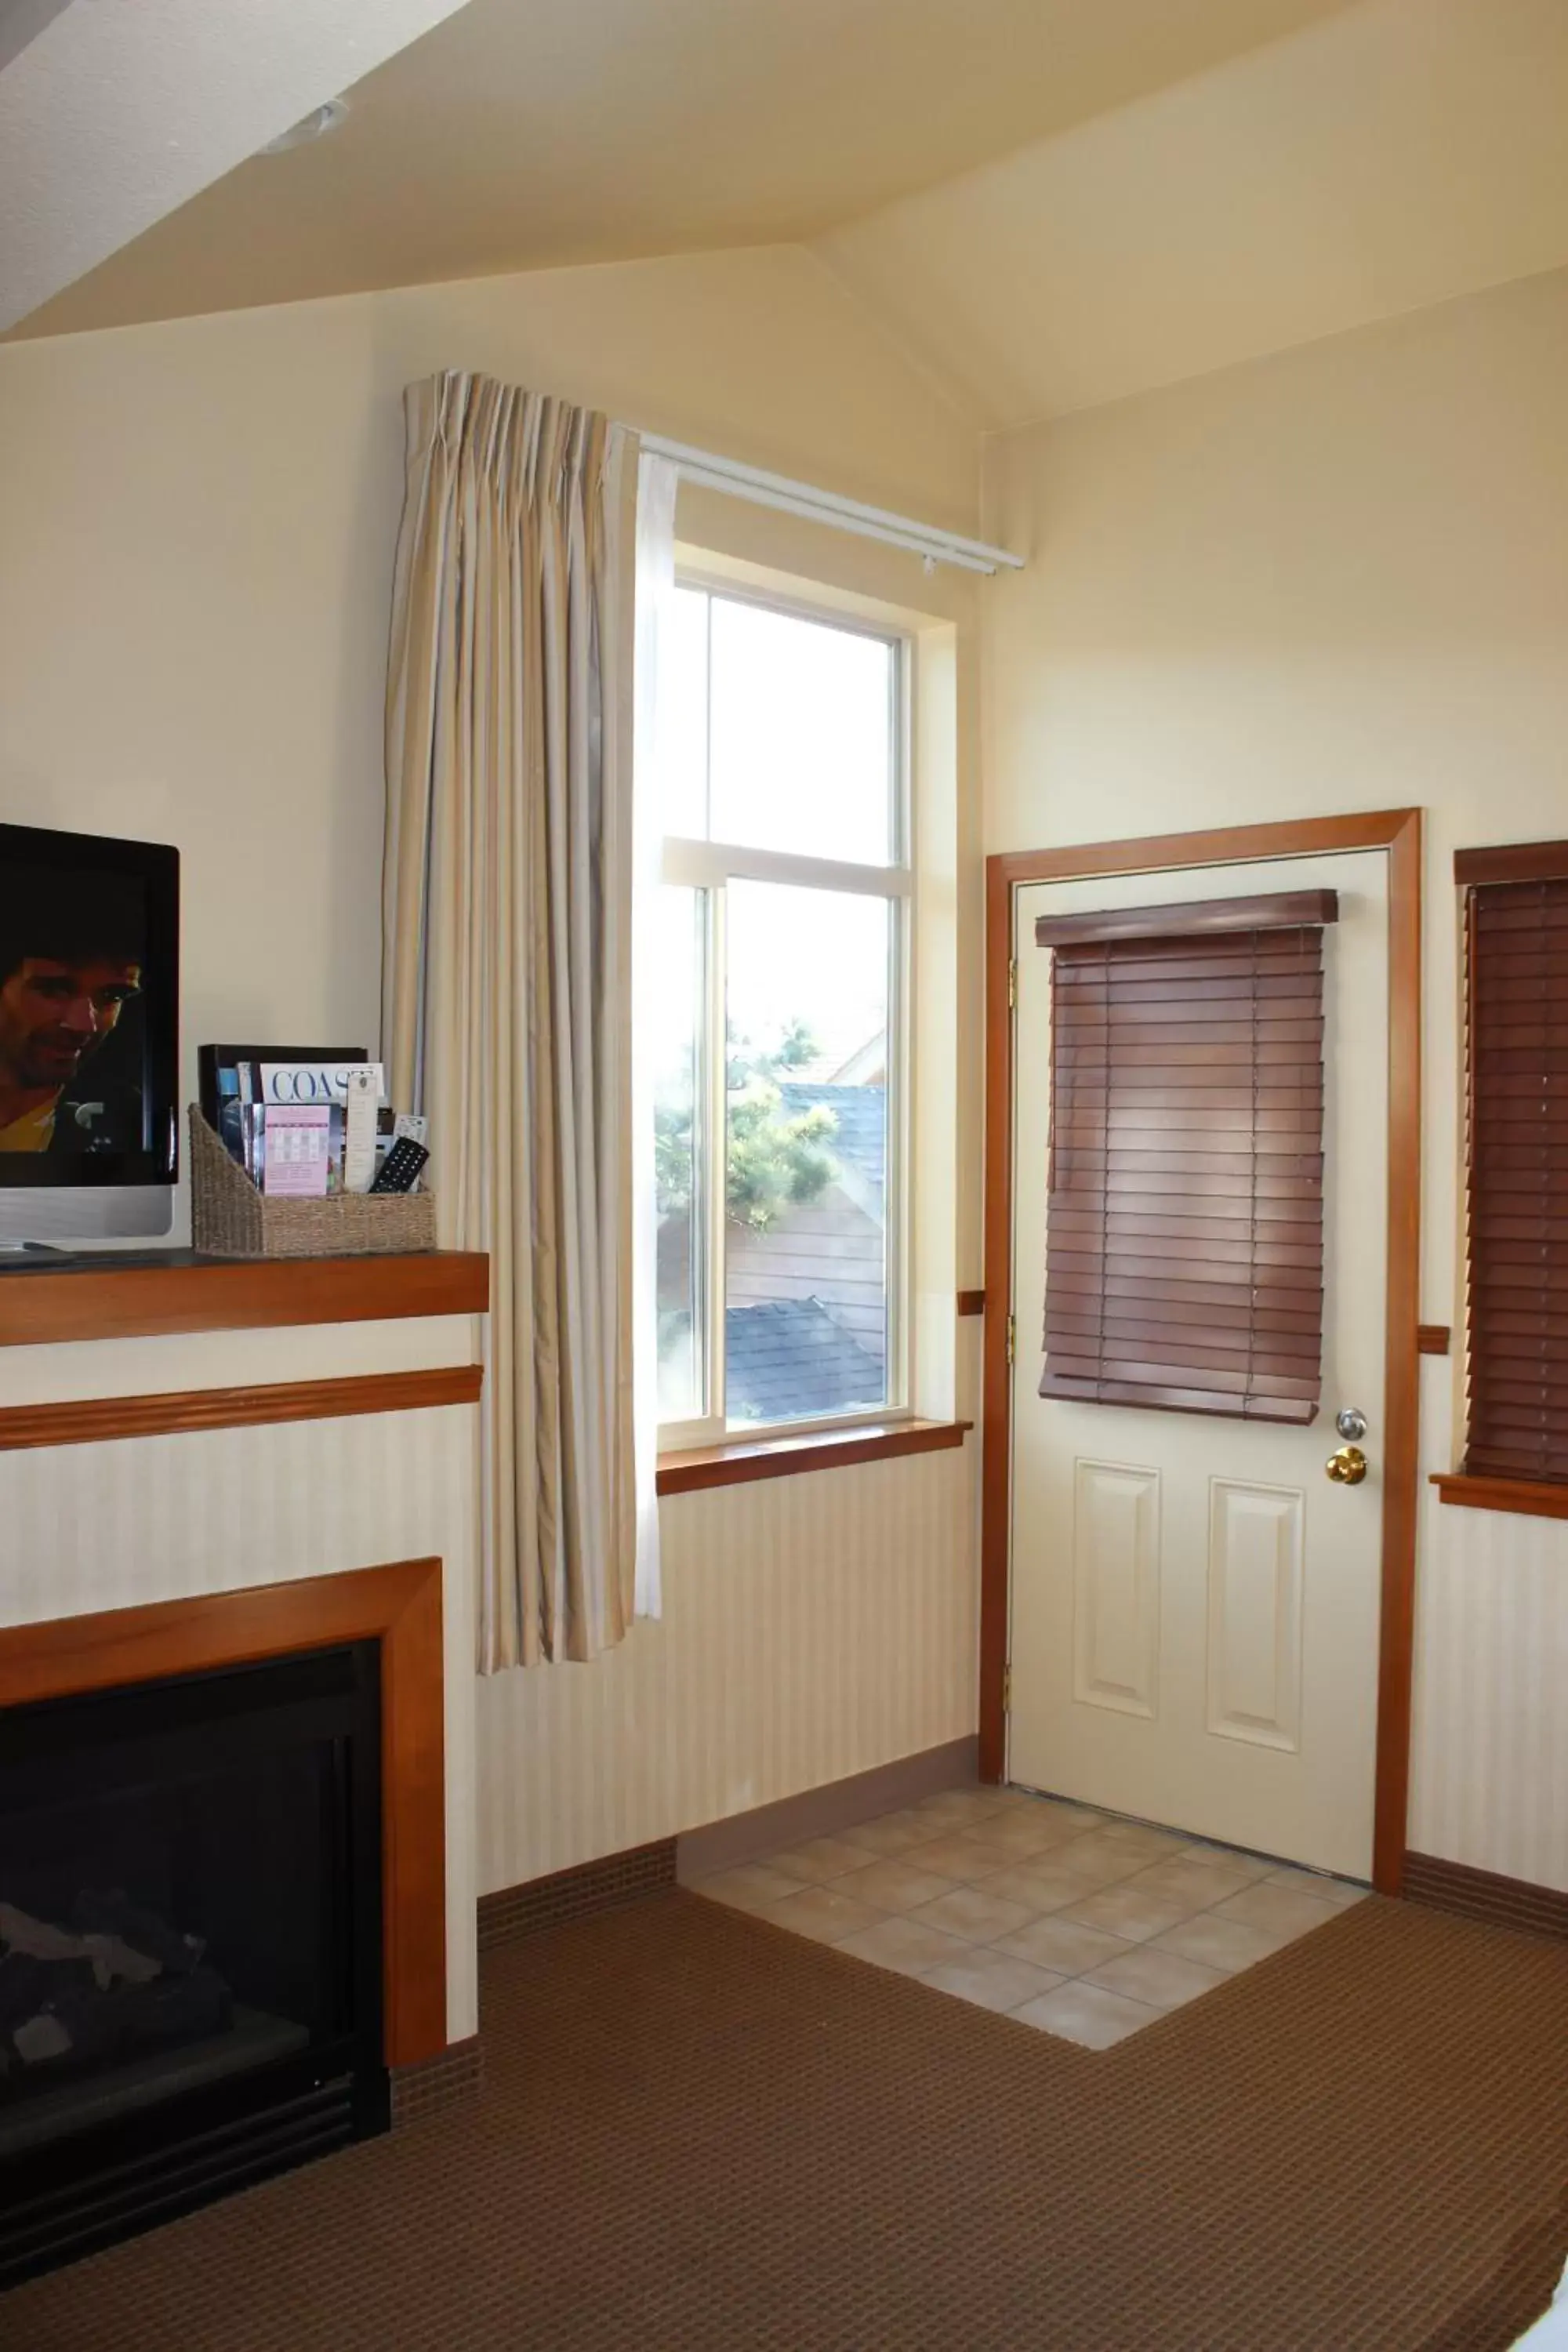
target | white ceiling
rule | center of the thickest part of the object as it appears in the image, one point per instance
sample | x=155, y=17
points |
x=527, y=134
x=112, y=113
x=1402, y=153
x=22, y=21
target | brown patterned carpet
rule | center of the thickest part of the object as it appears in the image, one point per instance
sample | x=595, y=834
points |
x=703, y=2135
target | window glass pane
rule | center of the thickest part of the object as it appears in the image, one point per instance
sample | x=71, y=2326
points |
x=800, y=752
x=683, y=716
x=805, y=1310
x=677, y=1097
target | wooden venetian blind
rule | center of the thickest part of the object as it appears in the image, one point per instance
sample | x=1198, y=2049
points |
x=1184, y=1260
x=1517, y=1184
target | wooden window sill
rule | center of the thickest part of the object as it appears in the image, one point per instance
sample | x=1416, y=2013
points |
x=740, y=1459
x=1535, y=1502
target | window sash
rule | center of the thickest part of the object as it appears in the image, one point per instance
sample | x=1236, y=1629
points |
x=709, y=864
x=901, y=683
x=710, y=867
x=715, y=1425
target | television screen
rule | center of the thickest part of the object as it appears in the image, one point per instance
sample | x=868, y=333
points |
x=89, y=993
x=72, y=1025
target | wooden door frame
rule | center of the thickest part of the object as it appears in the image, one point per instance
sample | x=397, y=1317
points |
x=1398, y=830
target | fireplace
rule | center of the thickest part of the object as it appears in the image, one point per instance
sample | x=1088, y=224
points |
x=221, y=1894
x=190, y=1942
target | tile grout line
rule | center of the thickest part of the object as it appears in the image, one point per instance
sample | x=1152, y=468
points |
x=971, y=1822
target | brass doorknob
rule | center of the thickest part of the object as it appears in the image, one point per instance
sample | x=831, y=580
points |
x=1347, y=1466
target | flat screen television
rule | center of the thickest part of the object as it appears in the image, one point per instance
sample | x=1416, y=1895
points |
x=89, y=992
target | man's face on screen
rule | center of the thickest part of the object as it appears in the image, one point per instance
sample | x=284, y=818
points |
x=53, y=1011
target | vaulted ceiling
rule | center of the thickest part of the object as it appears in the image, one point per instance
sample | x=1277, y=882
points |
x=113, y=112
x=1404, y=152
x=522, y=134
x=1045, y=203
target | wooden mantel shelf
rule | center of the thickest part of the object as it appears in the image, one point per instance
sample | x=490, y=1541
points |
x=163, y=1293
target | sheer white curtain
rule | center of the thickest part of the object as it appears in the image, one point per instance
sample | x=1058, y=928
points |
x=656, y=484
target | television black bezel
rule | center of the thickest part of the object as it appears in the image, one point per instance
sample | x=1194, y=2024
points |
x=157, y=867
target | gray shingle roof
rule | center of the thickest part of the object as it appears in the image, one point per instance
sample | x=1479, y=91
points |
x=787, y=1358
x=859, y=1138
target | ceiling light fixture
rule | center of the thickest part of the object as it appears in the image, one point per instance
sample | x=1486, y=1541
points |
x=311, y=127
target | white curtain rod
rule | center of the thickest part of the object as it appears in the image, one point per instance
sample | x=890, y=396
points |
x=700, y=467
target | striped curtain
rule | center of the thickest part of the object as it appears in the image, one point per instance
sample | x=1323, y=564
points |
x=506, y=981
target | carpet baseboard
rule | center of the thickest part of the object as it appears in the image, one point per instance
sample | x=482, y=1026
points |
x=451, y=2078
x=821, y=1812
x=1483, y=1895
x=587, y=1886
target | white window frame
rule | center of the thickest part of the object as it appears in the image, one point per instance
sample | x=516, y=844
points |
x=709, y=868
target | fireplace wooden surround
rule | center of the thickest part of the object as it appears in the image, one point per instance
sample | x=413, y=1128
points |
x=240, y=1566
x=165, y=1366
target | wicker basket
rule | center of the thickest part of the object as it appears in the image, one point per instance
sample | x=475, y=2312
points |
x=229, y=1218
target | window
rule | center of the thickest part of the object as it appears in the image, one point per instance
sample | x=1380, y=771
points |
x=1184, y=1263
x=1516, y=1051
x=780, y=1080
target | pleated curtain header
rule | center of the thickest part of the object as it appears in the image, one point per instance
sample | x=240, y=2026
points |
x=529, y=444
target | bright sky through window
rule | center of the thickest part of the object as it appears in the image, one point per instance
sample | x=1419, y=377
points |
x=783, y=735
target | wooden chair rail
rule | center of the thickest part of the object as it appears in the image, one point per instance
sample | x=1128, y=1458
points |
x=1519, y=1494
x=92, y=1421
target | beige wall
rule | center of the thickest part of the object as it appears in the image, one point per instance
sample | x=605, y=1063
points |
x=1334, y=579
x=196, y=533
x=196, y=530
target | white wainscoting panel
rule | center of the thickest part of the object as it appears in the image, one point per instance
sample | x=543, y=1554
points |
x=1116, y=1587
x=90, y=1527
x=813, y=1627
x=1490, y=1781
x=1255, y=1613
x=76, y=1368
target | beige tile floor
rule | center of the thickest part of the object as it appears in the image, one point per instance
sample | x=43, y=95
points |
x=1077, y=1922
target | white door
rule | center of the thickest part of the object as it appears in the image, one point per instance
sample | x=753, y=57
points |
x=1193, y=1603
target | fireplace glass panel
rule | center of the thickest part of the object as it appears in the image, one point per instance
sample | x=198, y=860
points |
x=189, y=1900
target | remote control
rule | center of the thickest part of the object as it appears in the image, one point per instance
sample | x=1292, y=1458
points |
x=399, y=1171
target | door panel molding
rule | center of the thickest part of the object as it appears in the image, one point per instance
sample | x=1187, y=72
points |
x=1398, y=830
x=1116, y=1587
x=1256, y=1556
